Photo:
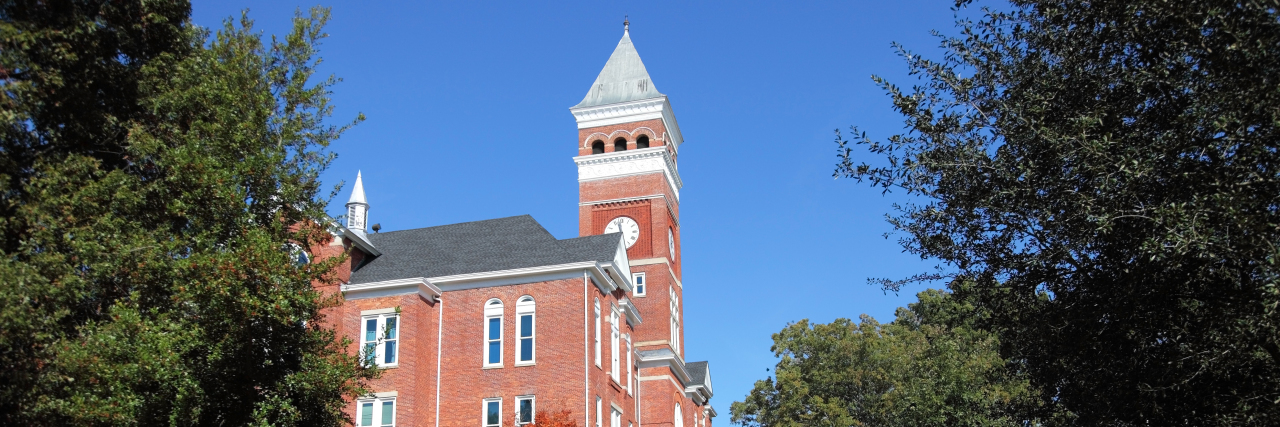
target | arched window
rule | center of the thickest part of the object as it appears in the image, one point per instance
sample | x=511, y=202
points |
x=620, y=144
x=642, y=142
x=525, y=324
x=597, y=147
x=679, y=421
x=493, y=333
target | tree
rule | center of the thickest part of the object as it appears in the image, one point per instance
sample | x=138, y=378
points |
x=153, y=178
x=1107, y=175
x=561, y=418
x=929, y=367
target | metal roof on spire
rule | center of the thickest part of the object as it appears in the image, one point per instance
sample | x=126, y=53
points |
x=357, y=191
x=623, y=78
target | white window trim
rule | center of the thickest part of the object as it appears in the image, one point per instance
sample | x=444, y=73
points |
x=615, y=416
x=614, y=351
x=597, y=335
x=640, y=279
x=631, y=373
x=484, y=412
x=377, y=402
x=524, y=308
x=493, y=311
x=599, y=412
x=533, y=408
x=380, y=343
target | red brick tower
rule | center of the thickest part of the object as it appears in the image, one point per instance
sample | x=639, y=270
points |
x=628, y=143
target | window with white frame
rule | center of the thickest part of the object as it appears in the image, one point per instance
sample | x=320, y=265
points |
x=493, y=333
x=525, y=324
x=379, y=339
x=675, y=322
x=615, y=418
x=524, y=410
x=599, y=411
x=378, y=412
x=679, y=421
x=631, y=374
x=597, y=332
x=638, y=279
x=614, y=338
x=492, y=412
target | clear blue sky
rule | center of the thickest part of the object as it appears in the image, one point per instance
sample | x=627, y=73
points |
x=467, y=106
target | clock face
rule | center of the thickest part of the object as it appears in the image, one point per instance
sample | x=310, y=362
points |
x=627, y=226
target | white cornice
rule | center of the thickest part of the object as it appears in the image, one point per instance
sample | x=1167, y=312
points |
x=631, y=162
x=607, y=277
x=633, y=111
x=384, y=288
x=670, y=360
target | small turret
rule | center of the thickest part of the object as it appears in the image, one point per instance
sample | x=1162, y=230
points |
x=357, y=207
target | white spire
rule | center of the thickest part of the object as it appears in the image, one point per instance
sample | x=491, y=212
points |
x=357, y=192
x=357, y=206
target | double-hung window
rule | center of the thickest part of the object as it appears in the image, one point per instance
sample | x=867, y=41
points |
x=525, y=324
x=615, y=418
x=597, y=332
x=631, y=374
x=493, y=333
x=379, y=337
x=377, y=412
x=599, y=412
x=613, y=345
x=638, y=279
x=492, y=412
x=524, y=410
x=675, y=322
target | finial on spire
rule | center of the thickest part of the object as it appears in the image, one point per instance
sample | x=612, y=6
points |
x=626, y=24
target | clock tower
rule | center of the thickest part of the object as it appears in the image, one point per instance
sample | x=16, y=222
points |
x=628, y=143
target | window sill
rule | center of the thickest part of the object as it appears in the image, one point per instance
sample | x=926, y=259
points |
x=519, y=364
x=614, y=383
x=389, y=366
x=492, y=367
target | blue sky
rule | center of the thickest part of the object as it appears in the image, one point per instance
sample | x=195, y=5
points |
x=467, y=106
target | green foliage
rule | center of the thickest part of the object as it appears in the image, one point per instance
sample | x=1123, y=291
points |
x=152, y=178
x=929, y=367
x=1107, y=174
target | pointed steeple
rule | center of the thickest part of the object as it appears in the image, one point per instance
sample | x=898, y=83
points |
x=357, y=206
x=623, y=78
x=357, y=192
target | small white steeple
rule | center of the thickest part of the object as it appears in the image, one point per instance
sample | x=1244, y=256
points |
x=357, y=207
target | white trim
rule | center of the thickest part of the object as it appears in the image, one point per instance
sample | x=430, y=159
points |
x=667, y=361
x=385, y=288
x=524, y=308
x=484, y=411
x=632, y=111
x=637, y=284
x=378, y=311
x=641, y=161
x=491, y=312
x=379, y=341
x=380, y=394
x=624, y=199
x=439, y=351
x=533, y=408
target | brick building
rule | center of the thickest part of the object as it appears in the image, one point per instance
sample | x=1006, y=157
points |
x=483, y=323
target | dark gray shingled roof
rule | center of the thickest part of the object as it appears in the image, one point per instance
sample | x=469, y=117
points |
x=474, y=247
x=697, y=372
